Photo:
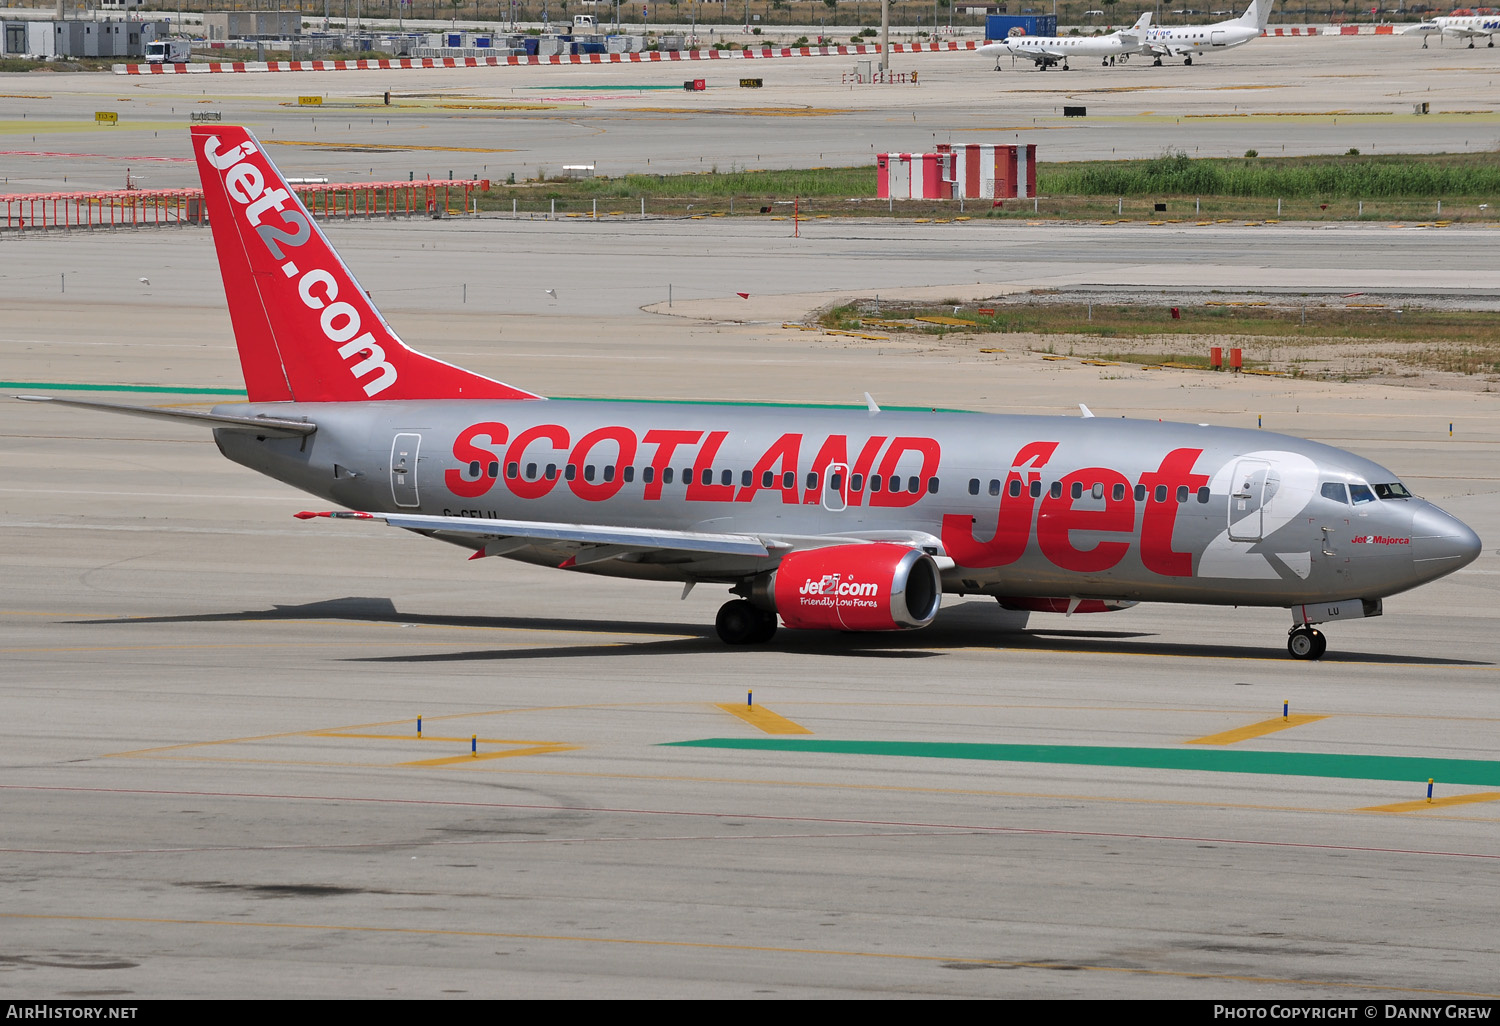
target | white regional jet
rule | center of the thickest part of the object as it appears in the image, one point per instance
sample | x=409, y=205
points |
x=1463, y=23
x=1050, y=50
x=1187, y=41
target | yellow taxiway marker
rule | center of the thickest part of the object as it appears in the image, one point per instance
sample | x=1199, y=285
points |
x=1261, y=729
x=763, y=719
x=1423, y=803
x=458, y=760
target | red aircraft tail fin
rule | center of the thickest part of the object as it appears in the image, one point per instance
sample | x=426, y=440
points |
x=305, y=329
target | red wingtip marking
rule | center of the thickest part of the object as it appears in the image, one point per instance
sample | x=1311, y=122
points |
x=743, y=295
x=570, y=561
x=479, y=554
x=308, y=515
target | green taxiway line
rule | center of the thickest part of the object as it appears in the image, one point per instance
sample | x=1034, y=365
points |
x=1292, y=764
x=166, y=389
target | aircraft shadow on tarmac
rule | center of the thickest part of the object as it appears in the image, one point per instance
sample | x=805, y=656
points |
x=967, y=626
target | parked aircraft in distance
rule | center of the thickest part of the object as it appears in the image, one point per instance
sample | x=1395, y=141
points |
x=1464, y=23
x=1049, y=50
x=1188, y=41
x=826, y=518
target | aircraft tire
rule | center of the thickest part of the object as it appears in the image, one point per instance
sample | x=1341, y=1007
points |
x=738, y=622
x=766, y=629
x=1187, y=62
x=1306, y=643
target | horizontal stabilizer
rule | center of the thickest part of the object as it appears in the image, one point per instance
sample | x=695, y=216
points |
x=271, y=426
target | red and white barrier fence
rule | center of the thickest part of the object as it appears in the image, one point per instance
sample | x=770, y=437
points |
x=140, y=208
x=1333, y=30
x=424, y=63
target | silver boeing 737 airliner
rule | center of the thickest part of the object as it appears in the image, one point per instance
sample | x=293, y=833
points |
x=815, y=518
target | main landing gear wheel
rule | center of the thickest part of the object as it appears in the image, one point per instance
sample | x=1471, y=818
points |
x=1306, y=643
x=1156, y=63
x=1187, y=62
x=741, y=623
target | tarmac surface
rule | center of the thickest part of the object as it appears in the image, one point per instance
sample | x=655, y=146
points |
x=214, y=785
x=1323, y=94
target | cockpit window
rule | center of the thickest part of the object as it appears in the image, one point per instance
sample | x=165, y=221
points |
x=1361, y=493
x=1336, y=491
x=1394, y=490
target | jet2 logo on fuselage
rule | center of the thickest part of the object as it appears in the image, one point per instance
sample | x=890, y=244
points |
x=245, y=182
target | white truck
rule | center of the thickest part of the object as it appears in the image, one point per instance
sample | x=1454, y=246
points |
x=585, y=25
x=169, y=51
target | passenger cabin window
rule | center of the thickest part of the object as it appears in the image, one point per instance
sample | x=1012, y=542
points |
x=835, y=482
x=973, y=486
x=493, y=470
x=1203, y=494
x=1182, y=493
x=1336, y=491
x=1161, y=493
x=874, y=482
x=994, y=487
x=913, y=485
x=629, y=474
x=1057, y=489
x=708, y=476
x=1098, y=491
x=1119, y=491
x=648, y=474
x=588, y=472
x=552, y=472
x=746, y=477
x=571, y=472
x=474, y=468
x=512, y=470
x=1077, y=489
x=666, y=475
x=789, y=480
x=766, y=479
x=1015, y=486
x=1140, y=493
x=856, y=482
x=932, y=486
x=1361, y=493
x=1036, y=489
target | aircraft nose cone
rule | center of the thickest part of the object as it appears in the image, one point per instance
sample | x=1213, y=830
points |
x=1440, y=543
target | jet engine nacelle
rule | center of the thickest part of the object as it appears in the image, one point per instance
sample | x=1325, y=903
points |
x=875, y=587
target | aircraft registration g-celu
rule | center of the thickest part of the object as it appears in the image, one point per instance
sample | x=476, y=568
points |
x=830, y=519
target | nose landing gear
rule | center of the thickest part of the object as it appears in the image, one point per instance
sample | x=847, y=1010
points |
x=1306, y=643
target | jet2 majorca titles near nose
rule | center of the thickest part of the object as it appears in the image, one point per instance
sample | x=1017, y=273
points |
x=839, y=519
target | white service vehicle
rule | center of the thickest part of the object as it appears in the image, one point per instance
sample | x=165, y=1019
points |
x=169, y=51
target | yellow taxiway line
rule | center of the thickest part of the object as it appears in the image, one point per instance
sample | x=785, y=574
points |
x=1424, y=803
x=761, y=718
x=1261, y=729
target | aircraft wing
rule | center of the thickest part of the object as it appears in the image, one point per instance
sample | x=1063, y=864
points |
x=1465, y=32
x=591, y=543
